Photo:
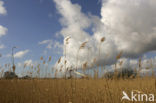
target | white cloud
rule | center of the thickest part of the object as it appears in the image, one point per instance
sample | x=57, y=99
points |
x=51, y=44
x=20, y=54
x=128, y=26
x=44, y=42
x=28, y=62
x=73, y=21
x=3, y=11
x=131, y=25
x=58, y=35
x=48, y=42
x=3, y=31
x=2, y=46
x=147, y=64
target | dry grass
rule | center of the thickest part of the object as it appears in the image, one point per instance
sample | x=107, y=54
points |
x=65, y=91
x=74, y=90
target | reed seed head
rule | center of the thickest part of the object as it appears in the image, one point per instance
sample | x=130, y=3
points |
x=102, y=39
x=83, y=45
x=119, y=55
x=59, y=60
x=49, y=59
x=41, y=58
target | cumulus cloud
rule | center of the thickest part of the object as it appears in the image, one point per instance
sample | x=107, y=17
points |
x=3, y=30
x=128, y=26
x=3, y=11
x=131, y=25
x=20, y=54
x=2, y=46
x=73, y=21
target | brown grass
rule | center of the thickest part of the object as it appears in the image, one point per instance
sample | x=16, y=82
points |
x=92, y=89
x=65, y=91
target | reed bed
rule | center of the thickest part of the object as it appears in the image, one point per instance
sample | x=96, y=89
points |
x=61, y=90
x=42, y=84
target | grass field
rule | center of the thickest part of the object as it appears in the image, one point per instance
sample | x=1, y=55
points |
x=96, y=88
x=72, y=90
x=92, y=88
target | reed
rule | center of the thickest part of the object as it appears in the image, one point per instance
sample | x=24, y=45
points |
x=73, y=90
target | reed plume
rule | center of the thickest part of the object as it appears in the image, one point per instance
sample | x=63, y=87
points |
x=65, y=46
x=41, y=58
x=59, y=60
x=101, y=41
x=82, y=46
x=117, y=58
x=49, y=59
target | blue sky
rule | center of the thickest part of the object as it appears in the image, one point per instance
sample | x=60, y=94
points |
x=30, y=22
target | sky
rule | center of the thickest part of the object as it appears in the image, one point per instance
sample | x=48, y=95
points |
x=28, y=22
x=40, y=28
